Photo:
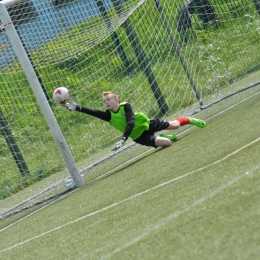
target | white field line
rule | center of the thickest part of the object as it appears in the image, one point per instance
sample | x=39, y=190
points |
x=154, y=227
x=104, y=174
x=130, y=198
x=224, y=110
x=124, y=164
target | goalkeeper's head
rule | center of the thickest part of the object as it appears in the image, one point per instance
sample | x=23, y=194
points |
x=111, y=100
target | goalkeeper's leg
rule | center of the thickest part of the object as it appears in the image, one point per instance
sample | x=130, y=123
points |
x=162, y=141
x=176, y=123
x=173, y=138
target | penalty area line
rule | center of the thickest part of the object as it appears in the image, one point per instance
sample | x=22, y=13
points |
x=162, y=222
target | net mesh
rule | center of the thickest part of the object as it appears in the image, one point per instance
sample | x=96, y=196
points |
x=125, y=46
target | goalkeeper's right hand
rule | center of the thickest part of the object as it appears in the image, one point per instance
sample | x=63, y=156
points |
x=119, y=144
x=71, y=105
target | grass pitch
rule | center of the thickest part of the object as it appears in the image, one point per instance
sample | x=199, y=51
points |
x=198, y=199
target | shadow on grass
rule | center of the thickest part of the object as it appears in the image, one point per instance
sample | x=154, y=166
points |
x=106, y=175
x=36, y=205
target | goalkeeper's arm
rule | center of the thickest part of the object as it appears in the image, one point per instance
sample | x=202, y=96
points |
x=72, y=106
x=130, y=120
x=106, y=116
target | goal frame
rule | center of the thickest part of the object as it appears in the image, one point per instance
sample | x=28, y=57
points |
x=24, y=60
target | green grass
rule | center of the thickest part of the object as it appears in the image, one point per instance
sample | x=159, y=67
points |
x=197, y=199
x=28, y=124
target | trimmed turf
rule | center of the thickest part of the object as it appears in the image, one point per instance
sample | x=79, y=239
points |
x=198, y=199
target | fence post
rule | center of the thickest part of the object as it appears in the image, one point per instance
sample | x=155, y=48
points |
x=114, y=35
x=159, y=8
x=205, y=11
x=140, y=55
x=39, y=93
x=257, y=5
x=7, y=133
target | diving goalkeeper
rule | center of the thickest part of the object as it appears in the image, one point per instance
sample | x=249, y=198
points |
x=134, y=125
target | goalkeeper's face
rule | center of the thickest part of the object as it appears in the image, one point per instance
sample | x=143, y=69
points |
x=111, y=102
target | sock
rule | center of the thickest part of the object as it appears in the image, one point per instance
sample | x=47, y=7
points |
x=173, y=138
x=183, y=120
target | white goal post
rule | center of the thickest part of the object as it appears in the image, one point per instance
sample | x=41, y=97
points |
x=201, y=47
x=36, y=87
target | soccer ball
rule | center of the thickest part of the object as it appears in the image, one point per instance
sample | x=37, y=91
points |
x=61, y=95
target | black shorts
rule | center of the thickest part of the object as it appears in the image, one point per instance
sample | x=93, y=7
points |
x=148, y=136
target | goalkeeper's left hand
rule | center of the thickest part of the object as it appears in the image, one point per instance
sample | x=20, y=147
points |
x=119, y=144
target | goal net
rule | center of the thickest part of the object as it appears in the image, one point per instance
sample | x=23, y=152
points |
x=167, y=58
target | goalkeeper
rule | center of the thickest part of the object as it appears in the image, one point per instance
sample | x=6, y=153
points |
x=135, y=125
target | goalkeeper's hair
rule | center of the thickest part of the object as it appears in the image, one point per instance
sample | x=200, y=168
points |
x=110, y=93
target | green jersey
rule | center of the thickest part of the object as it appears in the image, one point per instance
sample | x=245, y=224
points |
x=118, y=120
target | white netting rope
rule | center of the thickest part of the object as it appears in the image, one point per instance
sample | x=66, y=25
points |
x=81, y=55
